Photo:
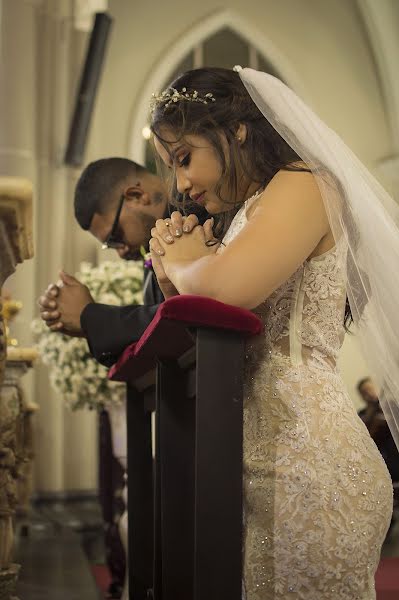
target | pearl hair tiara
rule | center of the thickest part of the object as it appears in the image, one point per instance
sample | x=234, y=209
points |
x=172, y=95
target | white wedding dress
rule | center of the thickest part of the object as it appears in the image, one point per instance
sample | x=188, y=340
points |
x=317, y=494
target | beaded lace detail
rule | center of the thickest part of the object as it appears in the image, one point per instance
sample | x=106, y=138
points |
x=317, y=494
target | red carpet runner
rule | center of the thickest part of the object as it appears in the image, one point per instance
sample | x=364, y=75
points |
x=387, y=579
x=102, y=576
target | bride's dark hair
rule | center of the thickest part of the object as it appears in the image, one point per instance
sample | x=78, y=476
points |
x=262, y=155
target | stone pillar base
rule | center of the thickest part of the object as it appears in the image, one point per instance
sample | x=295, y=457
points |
x=8, y=582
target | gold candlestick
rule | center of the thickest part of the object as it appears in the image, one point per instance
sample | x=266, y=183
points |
x=10, y=309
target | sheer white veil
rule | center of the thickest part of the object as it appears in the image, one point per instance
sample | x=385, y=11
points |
x=361, y=211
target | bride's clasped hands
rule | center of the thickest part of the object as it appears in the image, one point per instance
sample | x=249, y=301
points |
x=180, y=241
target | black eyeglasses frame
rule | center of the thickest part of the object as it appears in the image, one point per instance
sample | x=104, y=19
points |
x=112, y=241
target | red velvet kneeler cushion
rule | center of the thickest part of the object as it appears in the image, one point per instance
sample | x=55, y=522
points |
x=168, y=336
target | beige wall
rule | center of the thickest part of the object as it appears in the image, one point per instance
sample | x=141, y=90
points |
x=322, y=48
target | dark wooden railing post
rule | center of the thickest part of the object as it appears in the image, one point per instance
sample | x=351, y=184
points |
x=176, y=458
x=192, y=549
x=140, y=496
x=218, y=466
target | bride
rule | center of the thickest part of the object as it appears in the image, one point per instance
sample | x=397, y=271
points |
x=317, y=494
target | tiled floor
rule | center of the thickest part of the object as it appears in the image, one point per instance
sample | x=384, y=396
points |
x=54, y=550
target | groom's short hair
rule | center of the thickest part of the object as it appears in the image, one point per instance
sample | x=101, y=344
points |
x=93, y=191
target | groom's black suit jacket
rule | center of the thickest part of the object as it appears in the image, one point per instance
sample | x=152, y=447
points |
x=110, y=329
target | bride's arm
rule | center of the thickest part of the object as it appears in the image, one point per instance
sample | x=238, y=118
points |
x=286, y=226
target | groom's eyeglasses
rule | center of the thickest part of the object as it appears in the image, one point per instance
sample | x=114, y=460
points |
x=113, y=241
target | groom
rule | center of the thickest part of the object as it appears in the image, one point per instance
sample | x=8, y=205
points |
x=118, y=202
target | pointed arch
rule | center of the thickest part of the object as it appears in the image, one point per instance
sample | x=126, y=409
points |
x=187, y=43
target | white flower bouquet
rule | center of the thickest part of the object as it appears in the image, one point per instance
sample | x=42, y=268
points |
x=73, y=371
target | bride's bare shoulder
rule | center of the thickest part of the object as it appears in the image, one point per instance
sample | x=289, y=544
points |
x=297, y=181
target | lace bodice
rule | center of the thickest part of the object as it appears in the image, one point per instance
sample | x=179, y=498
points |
x=305, y=315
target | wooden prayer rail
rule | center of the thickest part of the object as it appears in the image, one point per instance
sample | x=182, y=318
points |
x=185, y=516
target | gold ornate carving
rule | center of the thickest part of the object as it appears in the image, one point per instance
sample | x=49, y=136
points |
x=3, y=343
x=10, y=415
x=8, y=582
x=15, y=247
x=16, y=214
x=10, y=309
x=15, y=236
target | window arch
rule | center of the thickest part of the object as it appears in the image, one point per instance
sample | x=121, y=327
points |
x=222, y=40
